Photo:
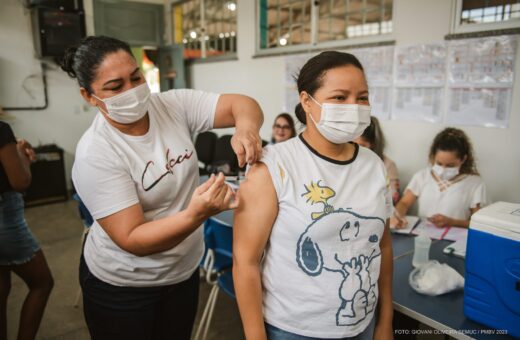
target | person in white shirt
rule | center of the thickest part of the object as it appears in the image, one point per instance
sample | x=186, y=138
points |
x=374, y=139
x=448, y=191
x=136, y=171
x=312, y=250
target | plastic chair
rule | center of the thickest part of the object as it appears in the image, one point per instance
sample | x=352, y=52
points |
x=225, y=159
x=218, y=263
x=205, y=144
x=87, y=221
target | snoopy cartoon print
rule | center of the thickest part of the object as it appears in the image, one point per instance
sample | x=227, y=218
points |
x=345, y=242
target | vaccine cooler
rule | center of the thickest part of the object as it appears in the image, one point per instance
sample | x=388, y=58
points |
x=492, y=279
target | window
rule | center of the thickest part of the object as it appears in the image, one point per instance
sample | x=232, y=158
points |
x=285, y=22
x=308, y=22
x=139, y=24
x=479, y=15
x=206, y=28
x=339, y=20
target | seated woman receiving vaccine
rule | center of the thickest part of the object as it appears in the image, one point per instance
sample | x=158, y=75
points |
x=312, y=254
x=450, y=190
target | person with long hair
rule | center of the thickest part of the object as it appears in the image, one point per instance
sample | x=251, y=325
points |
x=374, y=139
x=20, y=251
x=450, y=189
x=311, y=244
x=283, y=128
x=136, y=171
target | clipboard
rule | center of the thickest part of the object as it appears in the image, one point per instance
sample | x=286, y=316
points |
x=413, y=221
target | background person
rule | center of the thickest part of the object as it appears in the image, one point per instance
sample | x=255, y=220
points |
x=374, y=139
x=448, y=191
x=283, y=128
x=20, y=252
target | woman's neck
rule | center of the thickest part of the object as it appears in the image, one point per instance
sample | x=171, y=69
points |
x=138, y=128
x=339, y=152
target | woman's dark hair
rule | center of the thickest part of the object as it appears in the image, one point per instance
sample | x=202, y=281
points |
x=289, y=119
x=374, y=135
x=82, y=61
x=311, y=74
x=455, y=140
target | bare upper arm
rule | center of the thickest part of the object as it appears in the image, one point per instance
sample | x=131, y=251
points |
x=19, y=178
x=255, y=215
x=120, y=225
x=224, y=111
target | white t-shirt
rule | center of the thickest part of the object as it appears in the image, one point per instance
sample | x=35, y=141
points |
x=322, y=261
x=159, y=170
x=455, y=201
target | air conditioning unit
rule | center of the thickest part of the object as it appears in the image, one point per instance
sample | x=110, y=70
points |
x=55, y=29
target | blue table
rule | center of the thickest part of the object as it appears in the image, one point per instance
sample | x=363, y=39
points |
x=443, y=313
x=402, y=245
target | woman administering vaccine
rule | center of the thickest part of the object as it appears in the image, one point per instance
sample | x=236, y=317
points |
x=450, y=190
x=312, y=251
x=136, y=171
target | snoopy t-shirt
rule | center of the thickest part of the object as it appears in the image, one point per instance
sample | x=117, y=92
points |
x=322, y=261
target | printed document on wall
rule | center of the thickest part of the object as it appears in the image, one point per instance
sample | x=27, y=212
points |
x=480, y=81
x=417, y=104
x=378, y=65
x=419, y=79
x=488, y=107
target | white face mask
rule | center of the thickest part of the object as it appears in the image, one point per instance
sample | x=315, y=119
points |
x=129, y=106
x=342, y=123
x=445, y=174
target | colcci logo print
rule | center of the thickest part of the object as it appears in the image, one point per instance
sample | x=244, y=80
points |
x=170, y=163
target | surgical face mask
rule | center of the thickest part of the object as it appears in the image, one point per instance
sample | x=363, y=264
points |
x=445, y=174
x=342, y=123
x=129, y=106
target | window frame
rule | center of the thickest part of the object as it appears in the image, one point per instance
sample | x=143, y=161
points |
x=457, y=27
x=314, y=45
x=204, y=58
x=100, y=22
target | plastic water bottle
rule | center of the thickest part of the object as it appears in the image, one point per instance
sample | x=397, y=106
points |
x=421, y=253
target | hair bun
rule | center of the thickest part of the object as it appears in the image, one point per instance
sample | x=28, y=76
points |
x=67, y=61
x=300, y=113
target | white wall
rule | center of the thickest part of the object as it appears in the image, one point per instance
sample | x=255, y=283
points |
x=67, y=116
x=415, y=21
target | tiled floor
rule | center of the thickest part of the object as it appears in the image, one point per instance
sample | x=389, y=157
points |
x=58, y=228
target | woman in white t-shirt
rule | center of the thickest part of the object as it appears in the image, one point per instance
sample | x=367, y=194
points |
x=450, y=190
x=136, y=171
x=374, y=139
x=312, y=251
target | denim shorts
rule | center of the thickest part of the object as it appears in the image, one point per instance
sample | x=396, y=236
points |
x=274, y=333
x=17, y=243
